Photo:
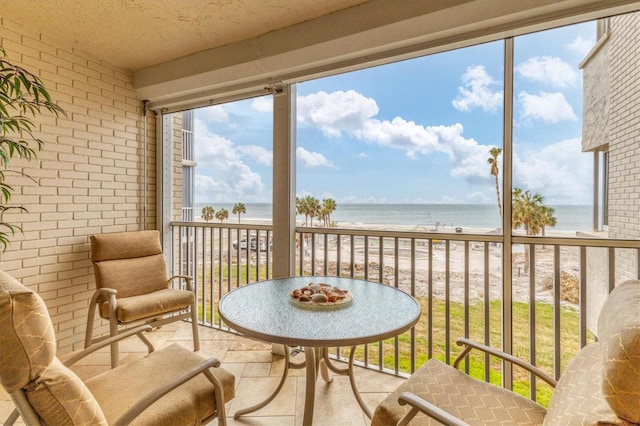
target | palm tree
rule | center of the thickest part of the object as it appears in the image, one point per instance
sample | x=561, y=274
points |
x=530, y=212
x=207, y=213
x=328, y=206
x=222, y=214
x=548, y=218
x=493, y=161
x=238, y=208
x=312, y=206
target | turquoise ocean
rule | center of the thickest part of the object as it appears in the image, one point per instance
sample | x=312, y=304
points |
x=569, y=217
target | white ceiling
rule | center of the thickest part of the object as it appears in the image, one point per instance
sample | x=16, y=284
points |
x=136, y=34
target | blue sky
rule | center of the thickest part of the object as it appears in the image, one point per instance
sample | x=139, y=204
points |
x=415, y=131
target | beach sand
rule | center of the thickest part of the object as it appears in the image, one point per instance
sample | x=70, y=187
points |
x=481, y=286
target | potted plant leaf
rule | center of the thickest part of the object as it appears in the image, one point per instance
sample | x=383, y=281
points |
x=22, y=98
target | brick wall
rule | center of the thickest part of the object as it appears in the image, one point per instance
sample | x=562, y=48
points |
x=624, y=138
x=87, y=179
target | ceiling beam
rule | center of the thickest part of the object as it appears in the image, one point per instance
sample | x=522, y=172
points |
x=369, y=34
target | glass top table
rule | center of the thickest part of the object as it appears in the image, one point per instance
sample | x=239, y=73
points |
x=264, y=310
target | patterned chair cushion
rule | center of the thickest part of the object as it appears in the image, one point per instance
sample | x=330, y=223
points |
x=147, y=305
x=27, y=360
x=188, y=404
x=577, y=399
x=132, y=277
x=619, y=336
x=474, y=401
x=61, y=398
x=125, y=245
x=27, y=338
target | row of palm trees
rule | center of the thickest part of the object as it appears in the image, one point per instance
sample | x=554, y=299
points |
x=311, y=207
x=528, y=209
x=208, y=212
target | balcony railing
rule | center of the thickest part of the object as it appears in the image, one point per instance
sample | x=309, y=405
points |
x=540, y=309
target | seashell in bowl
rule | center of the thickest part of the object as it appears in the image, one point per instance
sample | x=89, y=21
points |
x=304, y=298
x=319, y=298
x=315, y=287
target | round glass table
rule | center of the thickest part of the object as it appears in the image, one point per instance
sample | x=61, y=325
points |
x=264, y=310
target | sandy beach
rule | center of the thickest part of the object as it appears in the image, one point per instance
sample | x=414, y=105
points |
x=456, y=265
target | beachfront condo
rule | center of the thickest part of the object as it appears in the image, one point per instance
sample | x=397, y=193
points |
x=482, y=156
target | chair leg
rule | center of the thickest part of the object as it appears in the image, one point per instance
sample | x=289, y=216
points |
x=115, y=350
x=194, y=327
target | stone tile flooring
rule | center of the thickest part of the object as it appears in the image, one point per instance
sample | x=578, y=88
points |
x=257, y=373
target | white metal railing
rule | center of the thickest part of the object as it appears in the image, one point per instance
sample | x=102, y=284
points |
x=456, y=277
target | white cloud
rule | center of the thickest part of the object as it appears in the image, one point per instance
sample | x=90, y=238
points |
x=214, y=113
x=477, y=91
x=337, y=112
x=312, y=159
x=363, y=155
x=548, y=107
x=263, y=104
x=549, y=69
x=580, y=46
x=467, y=156
x=221, y=174
x=258, y=153
x=560, y=172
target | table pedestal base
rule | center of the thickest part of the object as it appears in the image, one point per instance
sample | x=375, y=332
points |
x=316, y=361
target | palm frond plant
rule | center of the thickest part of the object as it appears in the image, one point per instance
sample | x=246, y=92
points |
x=23, y=97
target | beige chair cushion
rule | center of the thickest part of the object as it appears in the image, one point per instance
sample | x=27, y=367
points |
x=133, y=380
x=27, y=338
x=125, y=245
x=132, y=277
x=147, y=305
x=474, y=401
x=577, y=399
x=61, y=398
x=27, y=360
x=619, y=336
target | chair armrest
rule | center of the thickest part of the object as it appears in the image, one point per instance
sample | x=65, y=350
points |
x=429, y=409
x=77, y=356
x=470, y=344
x=158, y=393
x=188, y=280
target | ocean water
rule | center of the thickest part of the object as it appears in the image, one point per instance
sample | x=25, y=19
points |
x=569, y=217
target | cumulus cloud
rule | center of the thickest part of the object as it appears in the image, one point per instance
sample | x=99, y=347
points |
x=548, y=107
x=258, y=153
x=478, y=91
x=221, y=173
x=549, y=69
x=312, y=159
x=468, y=157
x=214, y=113
x=263, y=104
x=335, y=113
x=560, y=172
x=580, y=46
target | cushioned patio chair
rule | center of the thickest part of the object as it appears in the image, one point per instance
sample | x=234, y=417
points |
x=601, y=385
x=132, y=286
x=172, y=385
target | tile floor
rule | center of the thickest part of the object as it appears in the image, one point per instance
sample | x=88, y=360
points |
x=257, y=373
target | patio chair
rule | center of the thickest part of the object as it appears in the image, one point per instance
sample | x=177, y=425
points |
x=132, y=286
x=172, y=385
x=601, y=385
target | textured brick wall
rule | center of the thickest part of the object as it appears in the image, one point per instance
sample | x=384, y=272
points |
x=624, y=142
x=87, y=179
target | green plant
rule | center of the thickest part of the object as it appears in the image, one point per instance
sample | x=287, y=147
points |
x=22, y=97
